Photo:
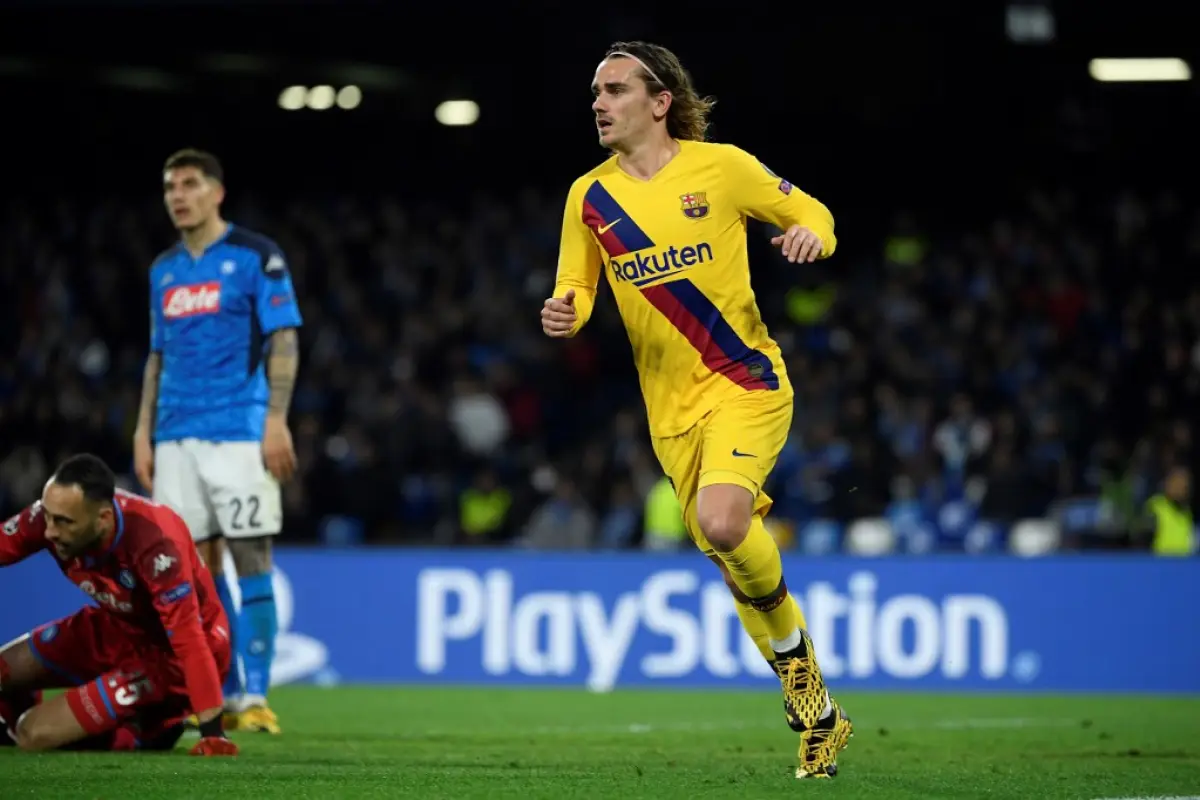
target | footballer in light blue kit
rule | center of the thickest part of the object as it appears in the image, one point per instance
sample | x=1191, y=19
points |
x=212, y=439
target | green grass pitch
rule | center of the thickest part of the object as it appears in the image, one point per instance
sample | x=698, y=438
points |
x=384, y=742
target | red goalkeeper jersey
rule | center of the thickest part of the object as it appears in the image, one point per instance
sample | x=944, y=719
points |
x=150, y=578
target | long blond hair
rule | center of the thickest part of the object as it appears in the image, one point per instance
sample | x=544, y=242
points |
x=687, y=117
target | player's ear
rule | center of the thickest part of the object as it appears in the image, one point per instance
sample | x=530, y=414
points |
x=106, y=514
x=662, y=104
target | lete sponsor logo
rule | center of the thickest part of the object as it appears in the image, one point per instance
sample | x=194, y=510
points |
x=192, y=299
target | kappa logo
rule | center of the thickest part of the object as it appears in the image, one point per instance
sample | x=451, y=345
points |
x=275, y=264
x=162, y=563
x=694, y=205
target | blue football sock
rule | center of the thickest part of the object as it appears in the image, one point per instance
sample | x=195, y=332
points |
x=233, y=681
x=257, y=625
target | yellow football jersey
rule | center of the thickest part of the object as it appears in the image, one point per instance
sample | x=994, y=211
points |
x=674, y=251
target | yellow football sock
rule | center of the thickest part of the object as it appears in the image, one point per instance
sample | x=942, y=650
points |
x=801, y=622
x=756, y=569
x=753, y=624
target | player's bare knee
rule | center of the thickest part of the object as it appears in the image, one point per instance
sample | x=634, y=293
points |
x=33, y=735
x=724, y=526
x=251, y=556
x=723, y=512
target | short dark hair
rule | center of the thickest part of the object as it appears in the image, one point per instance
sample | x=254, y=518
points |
x=207, y=163
x=90, y=474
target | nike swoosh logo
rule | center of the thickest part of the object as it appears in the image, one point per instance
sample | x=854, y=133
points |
x=736, y=454
x=603, y=229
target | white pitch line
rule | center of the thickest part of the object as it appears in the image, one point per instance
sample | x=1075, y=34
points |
x=642, y=728
x=998, y=723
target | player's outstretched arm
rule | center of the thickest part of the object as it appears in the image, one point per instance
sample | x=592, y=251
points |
x=23, y=535
x=570, y=307
x=807, y=224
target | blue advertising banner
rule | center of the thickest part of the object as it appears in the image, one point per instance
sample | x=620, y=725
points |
x=1071, y=624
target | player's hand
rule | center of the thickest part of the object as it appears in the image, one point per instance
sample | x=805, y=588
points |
x=214, y=746
x=279, y=454
x=143, y=460
x=799, y=244
x=558, y=315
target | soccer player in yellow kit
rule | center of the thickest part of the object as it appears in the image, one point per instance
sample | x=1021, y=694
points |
x=665, y=220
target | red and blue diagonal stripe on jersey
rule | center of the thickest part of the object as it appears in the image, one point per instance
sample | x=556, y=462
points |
x=616, y=230
x=720, y=348
x=684, y=305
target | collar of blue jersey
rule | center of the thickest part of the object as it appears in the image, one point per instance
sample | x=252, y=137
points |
x=229, y=226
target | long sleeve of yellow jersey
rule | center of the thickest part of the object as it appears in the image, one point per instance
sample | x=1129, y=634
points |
x=579, y=263
x=763, y=195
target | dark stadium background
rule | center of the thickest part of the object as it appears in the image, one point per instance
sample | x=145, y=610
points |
x=422, y=253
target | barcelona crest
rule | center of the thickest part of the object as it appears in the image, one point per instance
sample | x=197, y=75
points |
x=695, y=205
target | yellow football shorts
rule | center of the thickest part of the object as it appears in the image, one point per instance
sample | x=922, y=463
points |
x=737, y=442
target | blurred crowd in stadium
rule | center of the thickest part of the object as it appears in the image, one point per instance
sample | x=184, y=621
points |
x=1042, y=360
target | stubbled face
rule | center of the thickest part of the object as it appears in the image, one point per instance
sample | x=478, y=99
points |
x=73, y=523
x=191, y=197
x=625, y=111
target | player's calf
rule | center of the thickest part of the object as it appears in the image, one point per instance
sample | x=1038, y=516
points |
x=49, y=726
x=806, y=700
x=727, y=519
x=257, y=622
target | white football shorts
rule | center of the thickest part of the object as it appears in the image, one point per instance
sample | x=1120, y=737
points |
x=218, y=488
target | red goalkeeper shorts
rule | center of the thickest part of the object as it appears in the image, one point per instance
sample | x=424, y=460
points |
x=115, y=675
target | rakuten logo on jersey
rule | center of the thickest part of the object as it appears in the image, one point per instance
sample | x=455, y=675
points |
x=192, y=300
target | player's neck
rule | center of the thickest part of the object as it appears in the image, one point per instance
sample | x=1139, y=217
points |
x=104, y=539
x=647, y=159
x=198, y=239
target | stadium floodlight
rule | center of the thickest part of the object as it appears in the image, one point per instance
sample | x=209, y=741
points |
x=321, y=98
x=349, y=97
x=1139, y=70
x=457, y=112
x=292, y=98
